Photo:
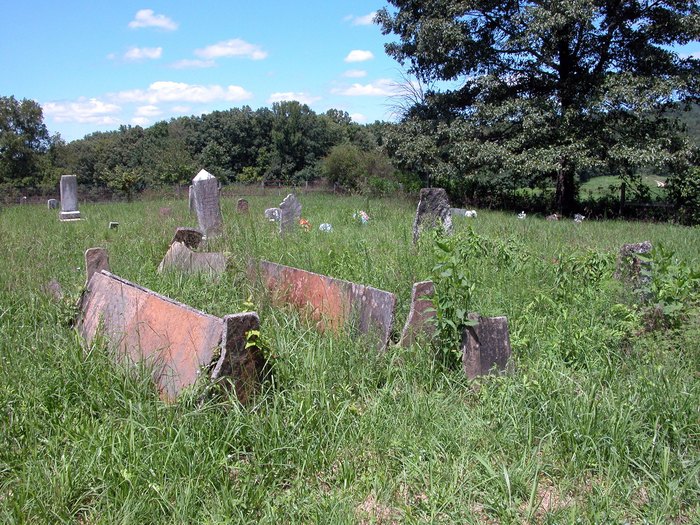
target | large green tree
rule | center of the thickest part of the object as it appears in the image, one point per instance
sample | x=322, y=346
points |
x=23, y=141
x=547, y=88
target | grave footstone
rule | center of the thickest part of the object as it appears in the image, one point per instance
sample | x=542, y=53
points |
x=96, y=260
x=272, y=214
x=421, y=317
x=290, y=213
x=69, y=198
x=485, y=346
x=113, y=225
x=433, y=211
x=52, y=204
x=189, y=237
x=206, y=201
x=242, y=206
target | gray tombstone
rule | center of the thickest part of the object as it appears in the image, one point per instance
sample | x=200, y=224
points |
x=69, y=198
x=96, y=260
x=191, y=199
x=433, y=211
x=206, y=202
x=52, y=204
x=242, y=206
x=290, y=213
x=113, y=225
x=272, y=214
x=486, y=346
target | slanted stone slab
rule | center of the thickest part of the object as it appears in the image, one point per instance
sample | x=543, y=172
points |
x=421, y=317
x=290, y=213
x=206, y=201
x=334, y=303
x=96, y=260
x=629, y=265
x=189, y=237
x=179, y=257
x=433, y=211
x=486, y=346
x=176, y=342
x=242, y=206
x=52, y=204
x=69, y=198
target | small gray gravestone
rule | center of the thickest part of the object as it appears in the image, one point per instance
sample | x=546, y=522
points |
x=189, y=237
x=206, y=202
x=113, y=225
x=96, y=260
x=290, y=213
x=52, y=204
x=630, y=267
x=23, y=200
x=272, y=214
x=485, y=346
x=69, y=198
x=433, y=211
x=191, y=199
x=242, y=206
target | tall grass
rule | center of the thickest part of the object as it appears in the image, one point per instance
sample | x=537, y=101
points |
x=599, y=423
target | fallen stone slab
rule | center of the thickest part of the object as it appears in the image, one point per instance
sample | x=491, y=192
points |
x=176, y=342
x=189, y=237
x=421, y=317
x=334, y=303
x=485, y=346
x=96, y=260
x=179, y=257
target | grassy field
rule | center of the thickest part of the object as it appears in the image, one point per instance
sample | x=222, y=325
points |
x=606, y=185
x=598, y=423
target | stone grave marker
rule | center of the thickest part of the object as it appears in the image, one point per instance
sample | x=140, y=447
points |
x=290, y=213
x=421, y=317
x=181, y=258
x=52, y=204
x=189, y=237
x=69, y=198
x=206, y=202
x=486, y=346
x=96, y=260
x=191, y=199
x=113, y=225
x=272, y=214
x=433, y=211
x=242, y=206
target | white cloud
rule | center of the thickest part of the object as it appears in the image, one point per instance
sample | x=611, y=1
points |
x=355, y=73
x=147, y=111
x=358, y=55
x=358, y=117
x=366, y=20
x=147, y=18
x=85, y=111
x=232, y=48
x=303, y=98
x=192, y=63
x=140, y=121
x=181, y=109
x=166, y=91
x=381, y=88
x=695, y=55
x=140, y=53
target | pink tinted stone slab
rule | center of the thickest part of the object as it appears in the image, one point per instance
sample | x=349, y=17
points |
x=421, y=317
x=334, y=303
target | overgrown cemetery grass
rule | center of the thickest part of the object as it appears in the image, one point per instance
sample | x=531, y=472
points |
x=598, y=423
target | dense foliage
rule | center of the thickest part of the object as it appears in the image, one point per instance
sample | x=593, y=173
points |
x=544, y=89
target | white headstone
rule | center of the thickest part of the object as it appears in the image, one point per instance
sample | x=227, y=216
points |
x=69, y=198
x=206, y=202
x=290, y=213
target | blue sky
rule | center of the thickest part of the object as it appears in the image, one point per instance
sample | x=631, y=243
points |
x=94, y=65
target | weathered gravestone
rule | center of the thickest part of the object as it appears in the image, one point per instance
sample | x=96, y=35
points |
x=485, y=346
x=181, y=258
x=69, y=198
x=421, y=317
x=630, y=267
x=206, y=202
x=96, y=260
x=290, y=213
x=335, y=304
x=433, y=211
x=52, y=204
x=188, y=236
x=272, y=214
x=113, y=225
x=242, y=206
x=191, y=199
x=176, y=342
